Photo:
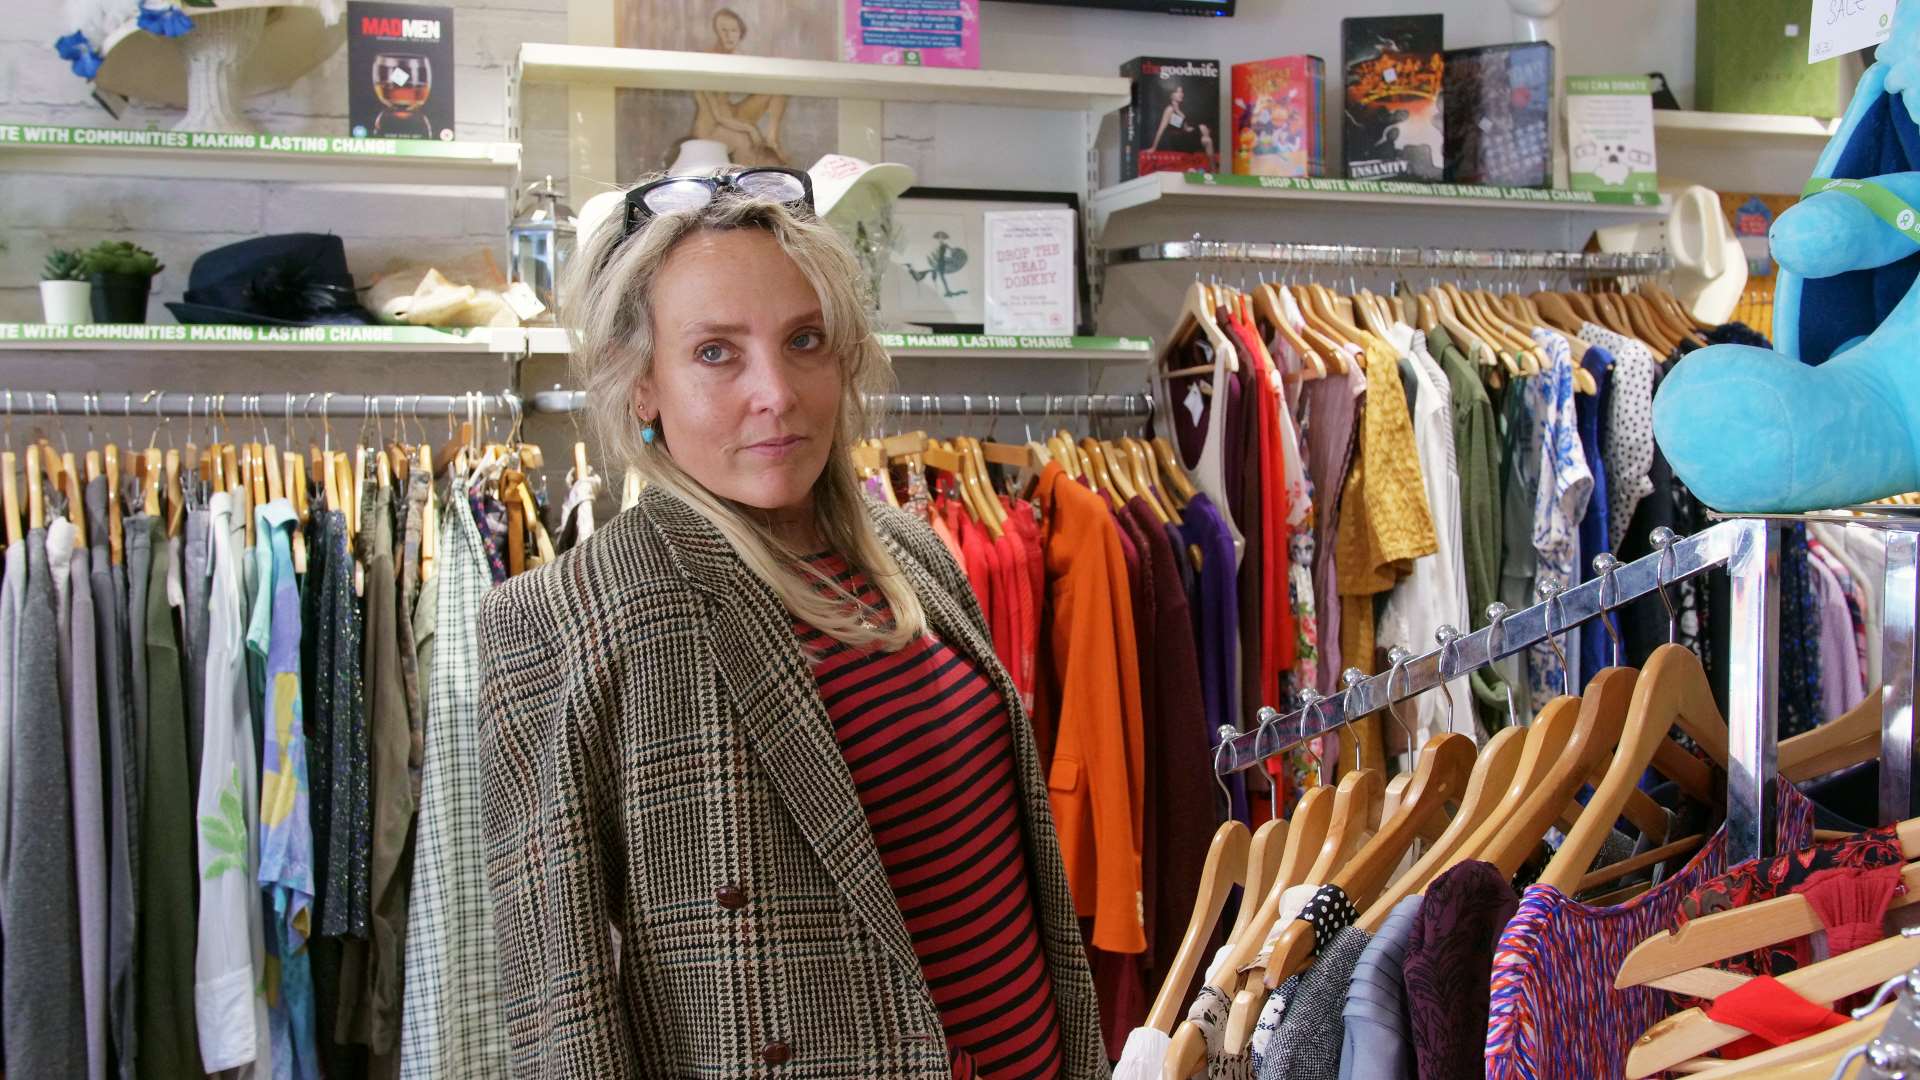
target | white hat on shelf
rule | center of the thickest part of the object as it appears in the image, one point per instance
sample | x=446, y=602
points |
x=1709, y=265
x=847, y=189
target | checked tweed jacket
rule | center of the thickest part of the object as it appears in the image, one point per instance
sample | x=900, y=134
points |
x=684, y=881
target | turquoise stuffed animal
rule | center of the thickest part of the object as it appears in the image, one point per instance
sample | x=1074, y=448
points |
x=1831, y=415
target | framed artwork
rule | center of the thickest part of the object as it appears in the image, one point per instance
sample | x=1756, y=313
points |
x=652, y=126
x=934, y=275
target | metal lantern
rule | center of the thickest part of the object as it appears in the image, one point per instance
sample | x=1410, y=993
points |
x=542, y=238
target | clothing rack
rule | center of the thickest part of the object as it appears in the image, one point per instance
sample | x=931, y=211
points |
x=321, y=406
x=1601, y=264
x=1031, y=405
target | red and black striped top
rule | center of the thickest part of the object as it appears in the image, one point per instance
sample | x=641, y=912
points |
x=930, y=746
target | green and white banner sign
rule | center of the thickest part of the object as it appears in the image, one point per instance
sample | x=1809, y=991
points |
x=1010, y=343
x=205, y=334
x=43, y=135
x=1409, y=189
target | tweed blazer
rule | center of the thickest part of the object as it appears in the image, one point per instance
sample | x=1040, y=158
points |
x=684, y=881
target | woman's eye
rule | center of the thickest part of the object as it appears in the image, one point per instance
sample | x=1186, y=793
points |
x=808, y=340
x=712, y=353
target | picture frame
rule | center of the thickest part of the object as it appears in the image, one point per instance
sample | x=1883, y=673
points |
x=934, y=270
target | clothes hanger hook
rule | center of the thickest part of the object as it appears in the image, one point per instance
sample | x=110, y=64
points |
x=1606, y=566
x=1448, y=638
x=1268, y=715
x=1550, y=594
x=1224, y=733
x=1353, y=677
x=1663, y=538
x=1310, y=705
x=1397, y=658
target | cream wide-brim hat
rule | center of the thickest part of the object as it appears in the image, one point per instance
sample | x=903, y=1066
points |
x=1709, y=265
x=149, y=68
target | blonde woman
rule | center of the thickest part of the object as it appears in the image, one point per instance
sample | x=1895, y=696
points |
x=760, y=801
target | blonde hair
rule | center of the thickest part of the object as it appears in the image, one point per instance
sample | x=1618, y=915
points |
x=608, y=307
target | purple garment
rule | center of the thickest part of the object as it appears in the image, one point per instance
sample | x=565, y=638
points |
x=1596, y=531
x=1219, y=622
x=484, y=507
x=1840, y=682
x=1233, y=465
x=1328, y=410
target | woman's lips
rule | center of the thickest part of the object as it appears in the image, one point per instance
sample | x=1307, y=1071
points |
x=777, y=448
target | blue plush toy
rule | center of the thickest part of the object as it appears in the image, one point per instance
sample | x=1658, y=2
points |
x=1831, y=416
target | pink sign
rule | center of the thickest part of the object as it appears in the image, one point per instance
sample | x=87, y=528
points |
x=913, y=33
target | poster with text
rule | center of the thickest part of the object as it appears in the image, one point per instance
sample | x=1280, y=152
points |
x=652, y=126
x=1029, y=272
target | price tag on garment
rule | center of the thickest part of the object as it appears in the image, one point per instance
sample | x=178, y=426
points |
x=1838, y=27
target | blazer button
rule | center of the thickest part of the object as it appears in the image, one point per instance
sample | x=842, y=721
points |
x=776, y=1053
x=731, y=897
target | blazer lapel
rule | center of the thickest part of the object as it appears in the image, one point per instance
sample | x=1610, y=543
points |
x=786, y=725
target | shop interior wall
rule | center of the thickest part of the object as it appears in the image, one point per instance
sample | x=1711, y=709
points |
x=1003, y=149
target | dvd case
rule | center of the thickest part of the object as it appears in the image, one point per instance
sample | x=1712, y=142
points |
x=1394, y=126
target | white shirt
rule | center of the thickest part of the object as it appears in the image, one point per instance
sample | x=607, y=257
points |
x=230, y=955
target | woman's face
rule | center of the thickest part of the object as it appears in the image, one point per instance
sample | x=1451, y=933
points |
x=729, y=31
x=1179, y=94
x=743, y=387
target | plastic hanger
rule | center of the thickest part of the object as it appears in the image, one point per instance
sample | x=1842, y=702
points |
x=1225, y=867
x=1689, y=1034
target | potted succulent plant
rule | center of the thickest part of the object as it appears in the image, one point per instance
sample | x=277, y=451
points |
x=64, y=288
x=122, y=274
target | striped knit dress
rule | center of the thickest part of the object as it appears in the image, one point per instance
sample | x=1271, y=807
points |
x=930, y=747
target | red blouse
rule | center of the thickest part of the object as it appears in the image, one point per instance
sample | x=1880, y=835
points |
x=930, y=746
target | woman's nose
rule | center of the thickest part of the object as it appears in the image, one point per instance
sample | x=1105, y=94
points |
x=771, y=384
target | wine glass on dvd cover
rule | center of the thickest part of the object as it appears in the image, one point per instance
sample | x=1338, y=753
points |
x=403, y=82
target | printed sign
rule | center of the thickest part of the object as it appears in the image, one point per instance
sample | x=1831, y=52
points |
x=1610, y=133
x=1838, y=27
x=915, y=33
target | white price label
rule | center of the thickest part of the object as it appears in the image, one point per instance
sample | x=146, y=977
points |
x=1838, y=27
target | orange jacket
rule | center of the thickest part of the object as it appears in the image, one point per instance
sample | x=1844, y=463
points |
x=1098, y=775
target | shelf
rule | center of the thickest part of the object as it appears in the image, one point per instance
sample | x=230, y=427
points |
x=656, y=69
x=1272, y=192
x=1742, y=129
x=92, y=151
x=1015, y=347
x=116, y=337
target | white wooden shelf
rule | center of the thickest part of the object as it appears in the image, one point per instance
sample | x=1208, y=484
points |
x=657, y=69
x=1211, y=190
x=1016, y=347
x=86, y=151
x=169, y=337
x=1746, y=130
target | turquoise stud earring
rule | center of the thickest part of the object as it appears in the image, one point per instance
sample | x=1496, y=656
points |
x=647, y=434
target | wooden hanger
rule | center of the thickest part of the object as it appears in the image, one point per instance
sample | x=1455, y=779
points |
x=76, y=506
x=1666, y=690
x=1225, y=867
x=1665, y=960
x=1268, y=306
x=1683, y=317
x=1469, y=341
x=1559, y=314
x=1813, y=1058
x=1440, y=776
x=1171, y=468
x=1852, y=738
x=1270, y=846
x=1690, y=1034
x=1645, y=326
x=36, y=497
x=1096, y=453
x=10, y=494
x=115, y=537
x=1329, y=346
x=1197, y=313
x=1492, y=774
x=1245, y=982
x=1498, y=341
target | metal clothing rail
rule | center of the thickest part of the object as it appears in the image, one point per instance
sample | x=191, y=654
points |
x=1749, y=549
x=1035, y=405
x=1400, y=258
x=315, y=406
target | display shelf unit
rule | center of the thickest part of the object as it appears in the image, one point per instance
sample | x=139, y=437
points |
x=46, y=148
x=117, y=337
x=1196, y=190
x=1016, y=347
x=658, y=69
x=1745, y=130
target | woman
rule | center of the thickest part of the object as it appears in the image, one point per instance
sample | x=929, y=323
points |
x=1188, y=137
x=760, y=800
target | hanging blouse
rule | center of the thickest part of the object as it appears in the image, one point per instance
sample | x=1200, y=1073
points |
x=1561, y=489
x=1628, y=448
x=1554, y=1013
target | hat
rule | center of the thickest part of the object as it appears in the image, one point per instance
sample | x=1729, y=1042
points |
x=296, y=37
x=1709, y=265
x=293, y=279
x=854, y=188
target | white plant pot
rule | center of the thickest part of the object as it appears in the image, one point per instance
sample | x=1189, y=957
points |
x=67, y=301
